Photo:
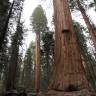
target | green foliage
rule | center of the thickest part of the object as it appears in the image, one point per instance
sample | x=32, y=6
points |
x=47, y=39
x=47, y=58
x=14, y=55
x=94, y=27
x=86, y=5
x=90, y=62
x=39, y=20
x=17, y=39
x=93, y=4
x=73, y=4
x=28, y=70
x=4, y=6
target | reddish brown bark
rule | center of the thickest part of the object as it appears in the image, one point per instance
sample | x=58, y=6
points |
x=68, y=72
x=86, y=19
x=37, y=65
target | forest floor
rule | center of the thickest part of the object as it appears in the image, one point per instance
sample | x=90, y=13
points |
x=56, y=93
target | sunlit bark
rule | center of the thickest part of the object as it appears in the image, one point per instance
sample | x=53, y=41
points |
x=69, y=71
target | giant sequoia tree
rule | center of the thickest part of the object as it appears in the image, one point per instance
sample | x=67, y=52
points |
x=68, y=70
x=39, y=23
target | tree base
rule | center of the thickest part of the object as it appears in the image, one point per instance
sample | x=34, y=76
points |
x=83, y=92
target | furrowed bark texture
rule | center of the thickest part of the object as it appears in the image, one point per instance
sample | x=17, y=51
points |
x=37, y=66
x=69, y=71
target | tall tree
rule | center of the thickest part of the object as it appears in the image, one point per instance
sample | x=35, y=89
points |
x=69, y=72
x=28, y=70
x=88, y=59
x=86, y=19
x=3, y=32
x=13, y=13
x=78, y=5
x=16, y=42
x=4, y=6
x=39, y=23
x=47, y=52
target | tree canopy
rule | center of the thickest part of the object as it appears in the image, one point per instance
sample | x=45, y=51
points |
x=39, y=20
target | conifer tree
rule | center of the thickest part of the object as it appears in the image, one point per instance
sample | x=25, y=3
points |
x=68, y=67
x=13, y=62
x=39, y=23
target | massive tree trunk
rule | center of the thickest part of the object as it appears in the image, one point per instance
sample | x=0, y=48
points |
x=86, y=19
x=37, y=66
x=69, y=71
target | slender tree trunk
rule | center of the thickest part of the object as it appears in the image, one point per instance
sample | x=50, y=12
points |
x=3, y=34
x=37, y=66
x=69, y=73
x=86, y=19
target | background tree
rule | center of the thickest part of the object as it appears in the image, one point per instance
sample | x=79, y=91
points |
x=81, y=5
x=19, y=69
x=16, y=42
x=12, y=17
x=47, y=52
x=88, y=58
x=3, y=31
x=4, y=7
x=28, y=70
x=86, y=19
x=6, y=13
